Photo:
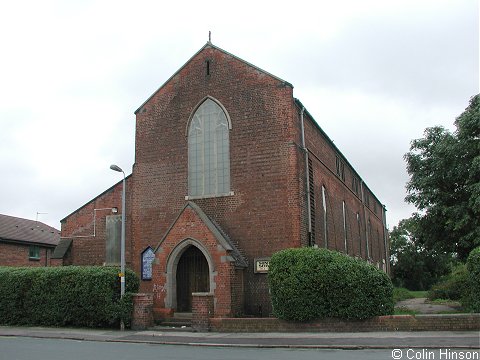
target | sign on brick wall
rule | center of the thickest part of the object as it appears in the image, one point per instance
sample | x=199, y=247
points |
x=261, y=265
x=147, y=259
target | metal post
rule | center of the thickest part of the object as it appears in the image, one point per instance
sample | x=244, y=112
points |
x=122, y=243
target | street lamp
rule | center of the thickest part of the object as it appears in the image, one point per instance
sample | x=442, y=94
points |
x=122, y=244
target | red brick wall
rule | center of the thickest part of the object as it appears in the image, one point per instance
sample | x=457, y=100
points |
x=268, y=210
x=57, y=262
x=14, y=254
x=202, y=310
x=263, y=215
x=190, y=226
x=142, y=317
x=435, y=322
x=237, y=290
x=323, y=156
x=87, y=249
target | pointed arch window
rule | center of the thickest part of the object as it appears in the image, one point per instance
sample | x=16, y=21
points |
x=344, y=215
x=208, y=151
x=325, y=219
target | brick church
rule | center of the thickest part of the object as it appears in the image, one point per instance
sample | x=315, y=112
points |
x=229, y=168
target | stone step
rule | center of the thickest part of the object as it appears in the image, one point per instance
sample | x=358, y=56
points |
x=164, y=328
x=183, y=315
x=178, y=321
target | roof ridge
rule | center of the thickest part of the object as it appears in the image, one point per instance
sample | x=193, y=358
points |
x=209, y=44
x=17, y=229
x=33, y=222
x=214, y=228
x=238, y=256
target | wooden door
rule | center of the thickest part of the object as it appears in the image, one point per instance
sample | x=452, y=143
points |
x=192, y=276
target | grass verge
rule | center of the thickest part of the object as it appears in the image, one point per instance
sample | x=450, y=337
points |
x=404, y=311
x=400, y=294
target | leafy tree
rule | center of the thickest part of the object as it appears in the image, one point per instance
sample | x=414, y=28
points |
x=414, y=266
x=444, y=184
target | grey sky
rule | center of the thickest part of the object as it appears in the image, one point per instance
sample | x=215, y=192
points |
x=374, y=74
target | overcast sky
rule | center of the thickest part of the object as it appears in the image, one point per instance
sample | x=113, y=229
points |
x=374, y=74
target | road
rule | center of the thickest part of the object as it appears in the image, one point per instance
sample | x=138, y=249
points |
x=12, y=348
x=346, y=341
x=18, y=348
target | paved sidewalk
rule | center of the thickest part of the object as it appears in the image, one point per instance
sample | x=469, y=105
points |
x=367, y=340
x=423, y=306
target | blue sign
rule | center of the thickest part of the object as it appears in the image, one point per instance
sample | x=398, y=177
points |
x=147, y=260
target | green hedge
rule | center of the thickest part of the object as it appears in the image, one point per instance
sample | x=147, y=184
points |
x=472, y=299
x=59, y=296
x=312, y=283
x=400, y=294
x=453, y=286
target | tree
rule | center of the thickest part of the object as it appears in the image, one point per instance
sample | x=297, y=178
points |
x=414, y=266
x=444, y=184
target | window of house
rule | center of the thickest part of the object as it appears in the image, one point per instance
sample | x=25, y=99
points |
x=369, y=238
x=379, y=247
x=208, y=151
x=311, y=190
x=367, y=199
x=344, y=213
x=325, y=219
x=34, y=252
x=355, y=187
x=359, y=229
x=340, y=168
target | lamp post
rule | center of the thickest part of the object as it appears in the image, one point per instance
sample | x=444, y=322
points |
x=122, y=244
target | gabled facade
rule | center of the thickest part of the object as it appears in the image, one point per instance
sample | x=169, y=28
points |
x=26, y=242
x=230, y=168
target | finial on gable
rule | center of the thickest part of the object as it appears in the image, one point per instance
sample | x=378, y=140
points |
x=209, y=36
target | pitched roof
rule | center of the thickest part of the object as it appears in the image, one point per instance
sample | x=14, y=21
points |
x=96, y=197
x=27, y=231
x=331, y=142
x=219, y=234
x=210, y=45
x=62, y=248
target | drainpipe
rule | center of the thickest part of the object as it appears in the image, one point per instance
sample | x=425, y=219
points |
x=114, y=211
x=307, y=178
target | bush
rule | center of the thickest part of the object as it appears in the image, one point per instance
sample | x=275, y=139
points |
x=60, y=296
x=452, y=286
x=472, y=298
x=311, y=283
x=400, y=294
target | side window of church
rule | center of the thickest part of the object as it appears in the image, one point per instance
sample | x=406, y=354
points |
x=113, y=231
x=208, y=151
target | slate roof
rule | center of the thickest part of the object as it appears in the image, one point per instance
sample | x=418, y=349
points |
x=14, y=229
x=62, y=248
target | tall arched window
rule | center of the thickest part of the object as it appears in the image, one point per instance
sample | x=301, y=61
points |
x=208, y=151
x=344, y=215
x=325, y=219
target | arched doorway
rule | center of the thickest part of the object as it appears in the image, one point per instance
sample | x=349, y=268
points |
x=192, y=276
